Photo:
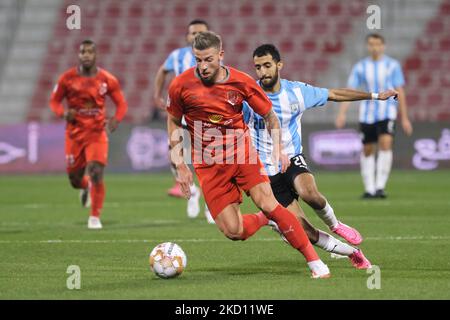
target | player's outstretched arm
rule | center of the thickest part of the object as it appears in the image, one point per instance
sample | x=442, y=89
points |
x=273, y=126
x=56, y=105
x=184, y=174
x=344, y=94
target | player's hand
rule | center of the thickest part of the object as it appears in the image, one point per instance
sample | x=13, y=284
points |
x=340, y=121
x=69, y=115
x=185, y=179
x=160, y=103
x=407, y=126
x=387, y=94
x=112, y=124
x=284, y=159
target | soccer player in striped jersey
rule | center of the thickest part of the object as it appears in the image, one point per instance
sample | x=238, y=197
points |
x=377, y=72
x=178, y=61
x=289, y=100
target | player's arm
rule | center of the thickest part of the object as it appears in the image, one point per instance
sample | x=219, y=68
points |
x=273, y=126
x=403, y=112
x=160, y=80
x=175, y=133
x=56, y=105
x=118, y=98
x=346, y=95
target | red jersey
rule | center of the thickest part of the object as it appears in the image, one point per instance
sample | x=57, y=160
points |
x=87, y=96
x=215, y=108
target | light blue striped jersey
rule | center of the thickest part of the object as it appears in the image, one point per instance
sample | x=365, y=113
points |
x=376, y=76
x=180, y=60
x=288, y=104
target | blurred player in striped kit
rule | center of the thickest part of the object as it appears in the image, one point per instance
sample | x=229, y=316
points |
x=377, y=72
x=177, y=62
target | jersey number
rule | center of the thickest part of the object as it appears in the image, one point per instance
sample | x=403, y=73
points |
x=299, y=161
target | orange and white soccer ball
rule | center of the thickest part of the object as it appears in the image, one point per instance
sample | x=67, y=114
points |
x=167, y=260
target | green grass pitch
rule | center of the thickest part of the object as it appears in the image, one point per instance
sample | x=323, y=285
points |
x=43, y=231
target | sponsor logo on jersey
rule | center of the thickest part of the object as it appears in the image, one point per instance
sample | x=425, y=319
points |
x=215, y=118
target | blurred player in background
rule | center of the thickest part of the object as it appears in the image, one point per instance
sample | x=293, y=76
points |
x=289, y=100
x=375, y=73
x=210, y=97
x=177, y=62
x=85, y=88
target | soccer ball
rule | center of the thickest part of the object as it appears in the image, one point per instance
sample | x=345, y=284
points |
x=167, y=260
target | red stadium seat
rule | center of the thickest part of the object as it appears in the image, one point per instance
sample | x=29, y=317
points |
x=312, y=9
x=334, y=9
x=202, y=10
x=435, y=26
x=135, y=11
x=113, y=10
x=180, y=10
x=444, y=44
x=343, y=27
x=445, y=8
x=269, y=9
x=296, y=27
x=332, y=46
x=425, y=80
x=309, y=45
x=246, y=10
x=251, y=27
x=319, y=28
x=287, y=46
x=413, y=63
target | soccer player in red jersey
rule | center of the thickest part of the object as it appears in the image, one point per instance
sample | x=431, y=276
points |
x=210, y=97
x=85, y=88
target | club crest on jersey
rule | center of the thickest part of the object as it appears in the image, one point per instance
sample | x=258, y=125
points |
x=215, y=118
x=103, y=89
x=234, y=98
x=294, y=107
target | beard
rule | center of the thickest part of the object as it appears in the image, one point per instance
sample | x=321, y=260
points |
x=269, y=86
x=210, y=80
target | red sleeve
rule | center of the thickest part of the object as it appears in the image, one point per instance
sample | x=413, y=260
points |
x=58, y=94
x=256, y=97
x=174, y=105
x=117, y=96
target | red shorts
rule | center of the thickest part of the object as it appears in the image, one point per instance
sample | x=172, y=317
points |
x=80, y=152
x=222, y=183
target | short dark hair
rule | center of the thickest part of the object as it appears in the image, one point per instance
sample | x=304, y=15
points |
x=266, y=49
x=88, y=42
x=206, y=40
x=375, y=36
x=198, y=21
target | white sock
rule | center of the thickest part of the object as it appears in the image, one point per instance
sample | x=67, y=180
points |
x=331, y=244
x=173, y=170
x=384, y=164
x=327, y=216
x=368, y=173
x=193, y=188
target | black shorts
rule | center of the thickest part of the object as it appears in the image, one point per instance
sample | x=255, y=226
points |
x=282, y=189
x=283, y=183
x=371, y=132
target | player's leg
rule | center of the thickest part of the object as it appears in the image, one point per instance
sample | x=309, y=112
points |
x=327, y=242
x=75, y=167
x=367, y=160
x=237, y=226
x=96, y=157
x=386, y=131
x=95, y=171
x=305, y=185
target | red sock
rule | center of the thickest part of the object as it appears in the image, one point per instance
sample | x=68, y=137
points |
x=84, y=182
x=252, y=223
x=97, y=197
x=294, y=232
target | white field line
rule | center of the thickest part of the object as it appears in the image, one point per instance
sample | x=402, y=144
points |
x=56, y=241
